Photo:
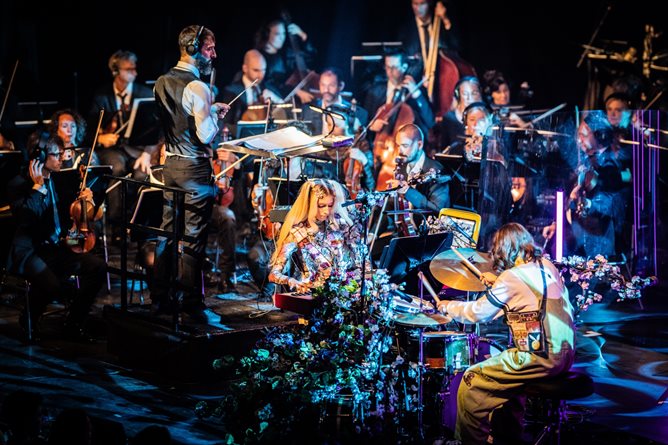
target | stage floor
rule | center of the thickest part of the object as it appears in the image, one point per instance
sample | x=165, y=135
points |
x=622, y=346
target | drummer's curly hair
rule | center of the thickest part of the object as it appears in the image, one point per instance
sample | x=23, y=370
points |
x=511, y=241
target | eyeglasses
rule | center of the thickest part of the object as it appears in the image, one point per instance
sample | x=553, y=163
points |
x=58, y=155
x=128, y=69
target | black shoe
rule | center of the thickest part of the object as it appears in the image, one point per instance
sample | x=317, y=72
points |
x=196, y=316
x=226, y=285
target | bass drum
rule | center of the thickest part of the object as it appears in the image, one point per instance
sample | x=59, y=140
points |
x=448, y=396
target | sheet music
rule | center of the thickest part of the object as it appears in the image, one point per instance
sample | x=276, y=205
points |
x=133, y=113
x=278, y=141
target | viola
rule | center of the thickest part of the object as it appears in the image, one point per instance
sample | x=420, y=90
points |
x=402, y=221
x=81, y=236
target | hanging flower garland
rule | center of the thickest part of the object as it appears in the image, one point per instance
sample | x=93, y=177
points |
x=582, y=271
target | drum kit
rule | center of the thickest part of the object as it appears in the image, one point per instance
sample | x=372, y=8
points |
x=442, y=355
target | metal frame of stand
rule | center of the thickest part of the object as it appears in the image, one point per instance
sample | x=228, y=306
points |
x=177, y=234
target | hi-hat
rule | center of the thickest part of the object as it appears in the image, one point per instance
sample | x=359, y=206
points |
x=448, y=268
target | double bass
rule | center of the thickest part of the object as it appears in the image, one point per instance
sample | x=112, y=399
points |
x=302, y=78
x=443, y=68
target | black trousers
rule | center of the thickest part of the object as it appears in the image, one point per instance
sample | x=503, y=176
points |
x=224, y=222
x=195, y=176
x=48, y=271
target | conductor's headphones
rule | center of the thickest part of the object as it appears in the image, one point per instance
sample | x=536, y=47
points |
x=194, y=45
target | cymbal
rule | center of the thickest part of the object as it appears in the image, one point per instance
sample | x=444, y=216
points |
x=400, y=212
x=449, y=269
x=421, y=319
x=413, y=307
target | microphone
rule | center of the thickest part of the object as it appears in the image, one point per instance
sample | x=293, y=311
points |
x=403, y=295
x=325, y=111
x=359, y=200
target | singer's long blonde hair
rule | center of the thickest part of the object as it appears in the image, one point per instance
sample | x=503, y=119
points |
x=305, y=208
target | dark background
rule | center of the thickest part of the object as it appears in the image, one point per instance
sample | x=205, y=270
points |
x=63, y=47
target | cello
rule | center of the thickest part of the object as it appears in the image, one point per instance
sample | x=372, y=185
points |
x=81, y=236
x=443, y=68
x=396, y=114
x=302, y=78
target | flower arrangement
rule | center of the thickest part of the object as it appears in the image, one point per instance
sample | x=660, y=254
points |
x=295, y=374
x=583, y=271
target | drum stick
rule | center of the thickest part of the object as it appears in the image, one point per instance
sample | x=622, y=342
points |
x=430, y=289
x=246, y=89
x=467, y=263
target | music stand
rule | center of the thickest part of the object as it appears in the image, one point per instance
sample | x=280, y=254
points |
x=10, y=167
x=68, y=181
x=148, y=212
x=467, y=173
x=405, y=254
x=143, y=124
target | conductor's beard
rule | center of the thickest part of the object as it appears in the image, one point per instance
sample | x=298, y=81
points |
x=205, y=66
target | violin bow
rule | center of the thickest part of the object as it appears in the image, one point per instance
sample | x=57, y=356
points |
x=90, y=155
x=9, y=88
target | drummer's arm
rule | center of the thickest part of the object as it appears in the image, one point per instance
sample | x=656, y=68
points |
x=486, y=308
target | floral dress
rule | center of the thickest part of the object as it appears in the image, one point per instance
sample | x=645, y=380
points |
x=314, y=257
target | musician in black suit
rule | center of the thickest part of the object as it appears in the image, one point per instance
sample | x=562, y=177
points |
x=432, y=195
x=395, y=87
x=415, y=34
x=116, y=99
x=38, y=251
x=253, y=69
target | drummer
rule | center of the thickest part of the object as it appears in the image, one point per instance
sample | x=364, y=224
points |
x=524, y=279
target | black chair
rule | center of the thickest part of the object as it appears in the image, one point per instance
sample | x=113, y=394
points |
x=550, y=396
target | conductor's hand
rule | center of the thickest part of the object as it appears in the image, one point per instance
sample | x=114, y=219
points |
x=549, y=231
x=143, y=163
x=488, y=278
x=220, y=109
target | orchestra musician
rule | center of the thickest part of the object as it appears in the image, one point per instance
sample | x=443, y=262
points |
x=38, y=251
x=432, y=195
x=312, y=242
x=452, y=127
x=284, y=60
x=394, y=88
x=116, y=99
x=253, y=69
x=524, y=279
x=330, y=86
x=190, y=123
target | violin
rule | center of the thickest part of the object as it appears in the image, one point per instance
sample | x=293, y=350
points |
x=81, y=236
x=402, y=221
x=442, y=67
x=225, y=194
